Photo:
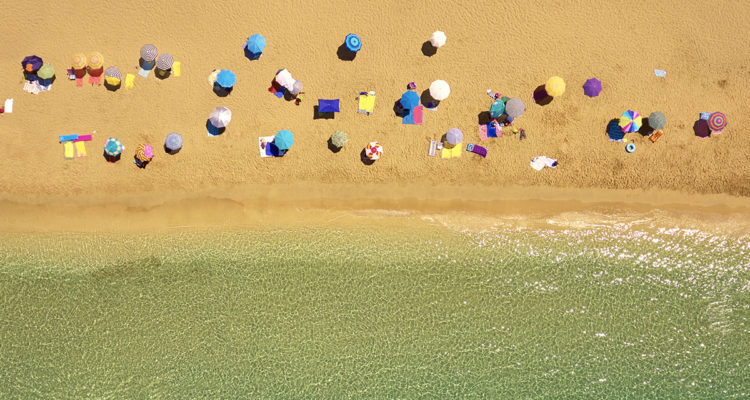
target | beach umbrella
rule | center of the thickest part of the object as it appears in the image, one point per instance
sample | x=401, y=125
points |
x=454, y=136
x=614, y=131
x=592, y=87
x=439, y=90
x=353, y=43
x=226, y=78
x=96, y=60
x=437, y=39
x=657, y=120
x=555, y=86
x=79, y=61
x=497, y=109
x=297, y=87
x=164, y=61
x=148, y=52
x=46, y=72
x=409, y=100
x=220, y=117
x=256, y=43
x=717, y=121
x=284, y=78
x=515, y=107
x=144, y=153
x=31, y=63
x=173, y=142
x=374, y=151
x=113, y=72
x=630, y=121
x=283, y=140
x=339, y=139
x=113, y=147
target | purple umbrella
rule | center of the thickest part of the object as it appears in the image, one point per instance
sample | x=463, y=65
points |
x=592, y=87
x=31, y=63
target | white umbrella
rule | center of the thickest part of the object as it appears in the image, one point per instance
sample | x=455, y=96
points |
x=284, y=78
x=454, y=136
x=437, y=39
x=439, y=90
x=296, y=88
x=220, y=117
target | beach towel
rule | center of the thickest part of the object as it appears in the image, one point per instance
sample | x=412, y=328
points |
x=454, y=152
x=80, y=149
x=68, y=138
x=433, y=148
x=366, y=103
x=265, y=152
x=79, y=82
x=95, y=80
x=176, y=68
x=413, y=117
x=32, y=87
x=476, y=149
x=277, y=91
x=494, y=130
x=8, y=108
x=82, y=138
x=655, y=136
x=483, y=132
x=325, y=106
x=144, y=72
x=69, y=150
x=129, y=81
x=538, y=163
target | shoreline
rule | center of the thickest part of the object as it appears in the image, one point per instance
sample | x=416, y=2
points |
x=280, y=206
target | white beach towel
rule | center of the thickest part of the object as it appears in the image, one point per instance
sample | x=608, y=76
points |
x=268, y=140
x=538, y=163
x=8, y=106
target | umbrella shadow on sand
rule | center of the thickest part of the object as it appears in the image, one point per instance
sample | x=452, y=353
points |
x=319, y=115
x=111, y=159
x=398, y=109
x=541, y=97
x=428, y=49
x=111, y=88
x=212, y=130
x=484, y=118
x=170, y=151
x=345, y=54
x=701, y=128
x=646, y=129
x=333, y=147
x=221, y=91
x=250, y=55
x=365, y=160
x=427, y=100
x=162, y=74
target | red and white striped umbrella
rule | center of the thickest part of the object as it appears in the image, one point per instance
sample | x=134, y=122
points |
x=374, y=151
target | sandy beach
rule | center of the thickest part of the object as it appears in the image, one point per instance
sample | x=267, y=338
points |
x=511, y=48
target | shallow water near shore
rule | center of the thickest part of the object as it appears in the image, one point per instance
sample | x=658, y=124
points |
x=572, y=306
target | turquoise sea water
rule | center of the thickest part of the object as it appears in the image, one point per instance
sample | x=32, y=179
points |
x=606, y=310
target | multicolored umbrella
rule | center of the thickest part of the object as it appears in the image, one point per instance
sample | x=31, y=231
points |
x=439, y=90
x=148, y=52
x=339, y=139
x=164, y=62
x=173, y=142
x=555, y=86
x=31, y=63
x=220, y=117
x=46, y=72
x=515, y=107
x=96, y=60
x=79, y=61
x=374, y=151
x=630, y=121
x=717, y=121
x=497, y=109
x=409, y=100
x=657, y=120
x=226, y=78
x=592, y=87
x=144, y=153
x=283, y=140
x=454, y=136
x=353, y=43
x=256, y=43
x=113, y=147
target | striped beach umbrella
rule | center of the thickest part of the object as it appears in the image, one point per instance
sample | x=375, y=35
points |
x=374, y=151
x=555, y=86
x=630, y=121
x=148, y=52
x=144, y=152
x=220, y=117
x=353, y=43
x=173, y=142
x=164, y=62
x=46, y=72
x=283, y=140
x=113, y=147
x=79, y=61
x=96, y=60
x=717, y=121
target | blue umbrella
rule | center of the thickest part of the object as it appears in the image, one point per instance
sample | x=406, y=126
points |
x=353, y=43
x=614, y=131
x=409, y=100
x=256, y=43
x=283, y=140
x=226, y=78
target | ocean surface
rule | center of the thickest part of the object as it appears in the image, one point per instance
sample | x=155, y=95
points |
x=571, y=307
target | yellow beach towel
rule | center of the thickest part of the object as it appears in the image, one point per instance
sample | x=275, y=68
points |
x=68, y=150
x=80, y=149
x=176, y=68
x=367, y=103
x=454, y=152
x=129, y=81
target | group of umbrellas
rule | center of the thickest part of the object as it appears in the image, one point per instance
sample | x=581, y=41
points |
x=144, y=153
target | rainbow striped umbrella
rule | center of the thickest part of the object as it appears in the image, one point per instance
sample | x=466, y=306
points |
x=113, y=147
x=630, y=121
x=555, y=86
x=374, y=150
x=717, y=121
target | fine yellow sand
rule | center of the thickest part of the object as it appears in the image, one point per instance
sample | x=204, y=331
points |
x=510, y=47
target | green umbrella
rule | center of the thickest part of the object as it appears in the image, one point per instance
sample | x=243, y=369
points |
x=497, y=109
x=46, y=71
x=339, y=139
x=657, y=120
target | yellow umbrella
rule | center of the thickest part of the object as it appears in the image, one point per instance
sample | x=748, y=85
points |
x=96, y=60
x=79, y=61
x=555, y=86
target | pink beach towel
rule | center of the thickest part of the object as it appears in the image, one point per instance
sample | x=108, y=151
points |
x=418, y=114
x=483, y=132
x=83, y=138
x=95, y=80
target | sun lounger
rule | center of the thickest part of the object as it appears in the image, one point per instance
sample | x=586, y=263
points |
x=129, y=81
x=80, y=149
x=366, y=103
x=83, y=138
x=433, y=148
x=655, y=136
x=476, y=149
x=68, y=138
x=69, y=150
x=176, y=68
